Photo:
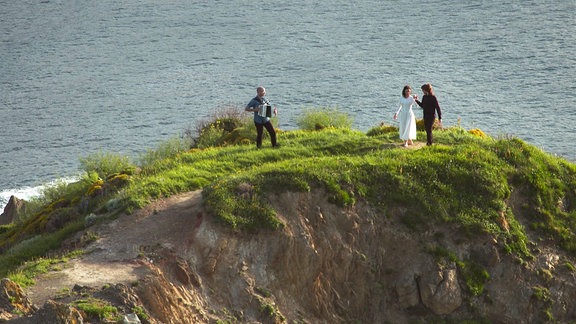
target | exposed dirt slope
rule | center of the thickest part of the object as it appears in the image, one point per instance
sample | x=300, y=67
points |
x=328, y=265
x=116, y=256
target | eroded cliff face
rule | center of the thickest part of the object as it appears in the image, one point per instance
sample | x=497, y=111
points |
x=327, y=265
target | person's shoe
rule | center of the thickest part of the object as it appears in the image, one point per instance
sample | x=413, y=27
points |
x=276, y=145
x=405, y=144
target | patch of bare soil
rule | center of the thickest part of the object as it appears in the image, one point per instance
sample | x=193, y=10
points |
x=114, y=256
x=415, y=146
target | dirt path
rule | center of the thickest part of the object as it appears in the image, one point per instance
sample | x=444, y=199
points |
x=415, y=146
x=112, y=257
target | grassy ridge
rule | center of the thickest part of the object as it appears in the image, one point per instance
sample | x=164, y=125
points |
x=466, y=179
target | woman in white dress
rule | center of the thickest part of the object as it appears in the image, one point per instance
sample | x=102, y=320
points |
x=406, y=118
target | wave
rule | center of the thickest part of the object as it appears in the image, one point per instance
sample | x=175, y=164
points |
x=28, y=193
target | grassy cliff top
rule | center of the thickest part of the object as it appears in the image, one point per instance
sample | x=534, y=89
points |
x=476, y=183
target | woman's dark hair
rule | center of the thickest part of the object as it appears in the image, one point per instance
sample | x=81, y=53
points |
x=428, y=88
x=404, y=90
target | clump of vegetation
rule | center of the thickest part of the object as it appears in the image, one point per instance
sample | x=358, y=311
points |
x=382, y=129
x=543, y=297
x=166, y=150
x=141, y=313
x=105, y=164
x=321, y=118
x=56, y=215
x=31, y=269
x=228, y=126
x=263, y=292
x=271, y=312
x=98, y=309
x=473, y=273
x=230, y=118
x=477, y=132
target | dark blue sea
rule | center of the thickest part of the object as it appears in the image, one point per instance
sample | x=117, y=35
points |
x=82, y=76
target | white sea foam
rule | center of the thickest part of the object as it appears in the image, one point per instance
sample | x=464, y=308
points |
x=28, y=193
x=22, y=193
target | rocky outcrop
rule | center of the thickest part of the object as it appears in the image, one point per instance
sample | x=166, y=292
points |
x=53, y=312
x=332, y=264
x=326, y=265
x=440, y=291
x=14, y=207
x=13, y=300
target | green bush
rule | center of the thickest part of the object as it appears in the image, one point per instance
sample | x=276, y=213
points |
x=381, y=130
x=166, y=150
x=98, y=309
x=324, y=117
x=61, y=189
x=215, y=130
x=210, y=136
x=106, y=164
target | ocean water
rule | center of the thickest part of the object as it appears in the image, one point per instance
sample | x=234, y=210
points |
x=78, y=77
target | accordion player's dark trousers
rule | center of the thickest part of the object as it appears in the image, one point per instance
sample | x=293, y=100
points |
x=260, y=130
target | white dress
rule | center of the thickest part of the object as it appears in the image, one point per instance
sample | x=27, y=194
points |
x=406, y=119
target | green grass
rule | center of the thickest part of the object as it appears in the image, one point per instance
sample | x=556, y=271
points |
x=466, y=180
x=98, y=309
x=31, y=269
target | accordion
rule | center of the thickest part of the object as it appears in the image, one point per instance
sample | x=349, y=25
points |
x=265, y=111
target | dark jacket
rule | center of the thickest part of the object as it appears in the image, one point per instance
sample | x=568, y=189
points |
x=430, y=106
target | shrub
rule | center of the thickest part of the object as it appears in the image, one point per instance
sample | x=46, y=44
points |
x=382, y=129
x=477, y=132
x=229, y=115
x=215, y=130
x=97, y=309
x=221, y=131
x=420, y=125
x=67, y=189
x=325, y=117
x=106, y=164
x=210, y=136
x=166, y=150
